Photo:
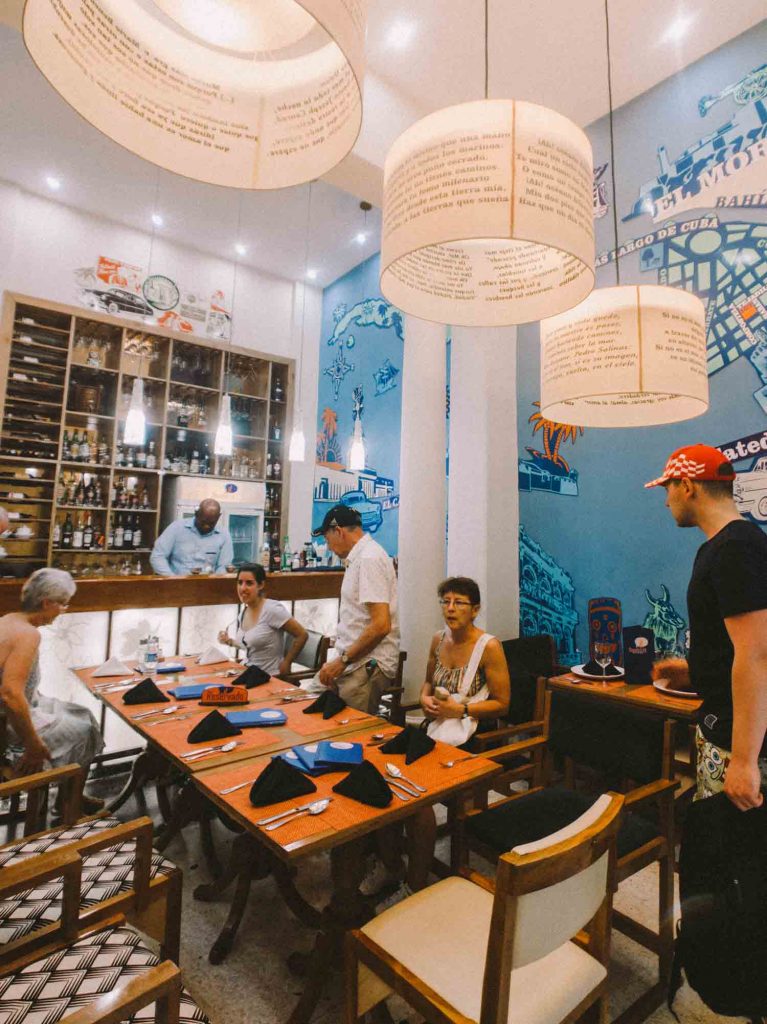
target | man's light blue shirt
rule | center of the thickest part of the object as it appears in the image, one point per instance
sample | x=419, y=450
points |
x=181, y=547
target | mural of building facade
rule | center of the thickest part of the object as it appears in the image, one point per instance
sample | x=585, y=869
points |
x=546, y=598
x=360, y=382
x=689, y=159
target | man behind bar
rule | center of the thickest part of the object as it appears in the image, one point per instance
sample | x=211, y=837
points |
x=727, y=607
x=193, y=544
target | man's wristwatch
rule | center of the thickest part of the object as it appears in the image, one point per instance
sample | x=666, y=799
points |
x=465, y=711
x=344, y=657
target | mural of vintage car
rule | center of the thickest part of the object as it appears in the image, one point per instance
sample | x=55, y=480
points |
x=117, y=300
x=369, y=510
x=750, y=492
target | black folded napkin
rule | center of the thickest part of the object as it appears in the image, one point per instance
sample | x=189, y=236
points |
x=279, y=781
x=329, y=703
x=411, y=742
x=213, y=727
x=252, y=676
x=366, y=785
x=145, y=692
x=593, y=668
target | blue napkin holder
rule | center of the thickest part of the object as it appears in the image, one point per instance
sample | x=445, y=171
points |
x=339, y=755
x=250, y=719
x=191, y=692
x=290, y=757
x=307, y=755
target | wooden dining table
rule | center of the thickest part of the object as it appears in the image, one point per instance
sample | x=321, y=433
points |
x=644, y=697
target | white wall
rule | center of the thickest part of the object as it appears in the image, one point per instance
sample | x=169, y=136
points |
x=43, y=242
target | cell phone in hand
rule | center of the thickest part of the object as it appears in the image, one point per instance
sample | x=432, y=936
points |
x=441, y=693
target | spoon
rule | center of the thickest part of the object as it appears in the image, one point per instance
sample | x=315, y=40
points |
x=396, y=773
x=316, y=808
x=457, y=760
x=161, y=711
x=222, y=748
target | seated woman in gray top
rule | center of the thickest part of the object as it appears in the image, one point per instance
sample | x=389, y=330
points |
x=42, y=729
x=261, y=624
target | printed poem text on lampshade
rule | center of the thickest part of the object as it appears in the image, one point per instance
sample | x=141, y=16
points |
x=627, y=356
x=487, y=215
x=256, y=95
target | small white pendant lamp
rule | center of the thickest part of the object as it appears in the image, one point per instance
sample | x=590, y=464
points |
x=223, y=444
x=357, y=448
x=135, y=422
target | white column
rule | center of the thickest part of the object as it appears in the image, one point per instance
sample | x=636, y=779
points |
x=422, y=494
x=483, y=503
x=299, y=525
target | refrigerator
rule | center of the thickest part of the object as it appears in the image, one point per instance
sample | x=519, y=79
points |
x=242, y=508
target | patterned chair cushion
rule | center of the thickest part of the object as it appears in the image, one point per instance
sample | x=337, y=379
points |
x=106, y=873
x=63, y=982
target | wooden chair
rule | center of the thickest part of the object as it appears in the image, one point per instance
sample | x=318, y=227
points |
x=121, y=874
x=465, y=950
x=636, y=751
x=391, y=699
x=104, y=976
x=312, y=656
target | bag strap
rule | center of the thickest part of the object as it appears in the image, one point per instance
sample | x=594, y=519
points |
x=474, y=660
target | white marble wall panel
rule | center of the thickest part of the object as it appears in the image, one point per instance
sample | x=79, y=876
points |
x=320, y=615
x=72, y=641
x=129, y=625
x=200, y=626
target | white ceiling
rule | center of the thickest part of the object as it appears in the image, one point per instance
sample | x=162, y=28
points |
x=422, y=55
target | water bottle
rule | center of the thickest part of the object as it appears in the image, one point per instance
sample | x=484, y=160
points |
x=152, y=655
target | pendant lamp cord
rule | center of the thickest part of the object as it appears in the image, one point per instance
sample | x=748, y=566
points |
x=234, y=279
x=612, y=141
x=487, y=62
x=303, y=295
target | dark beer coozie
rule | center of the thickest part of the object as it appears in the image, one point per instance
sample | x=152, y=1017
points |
x=638, y=654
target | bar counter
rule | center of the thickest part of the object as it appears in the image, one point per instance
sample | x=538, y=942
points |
x=120, y=592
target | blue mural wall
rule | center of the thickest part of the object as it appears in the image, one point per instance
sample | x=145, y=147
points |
x=360, y=377
x=589, y=527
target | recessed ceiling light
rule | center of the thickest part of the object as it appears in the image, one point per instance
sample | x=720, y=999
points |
x=400, y=35
x=361, y=237
x=677, y=29
x=157, y=220
x=311, y=273
x=53, y=183
x=240, y=249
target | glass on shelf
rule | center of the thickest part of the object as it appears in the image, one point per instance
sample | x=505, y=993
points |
x=191, y=409
x=145, y=354
x=96, y=345
x=246, y=375
x=195, y=364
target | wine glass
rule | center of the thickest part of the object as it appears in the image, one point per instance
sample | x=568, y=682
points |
x=602, y=656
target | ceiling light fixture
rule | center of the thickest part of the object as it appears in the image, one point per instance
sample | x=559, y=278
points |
x=240, y=249
x=311, y=273
x=157, y=220
x=360, y=238
x=630, y=355
x=400, y=35
x=297, y=446
x=273, y=88
x=487, y=214
x=54, y=184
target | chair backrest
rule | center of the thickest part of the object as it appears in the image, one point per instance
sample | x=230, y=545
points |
x=545, y=893
x=527, y=657
x=606, y=737
x=314, y=653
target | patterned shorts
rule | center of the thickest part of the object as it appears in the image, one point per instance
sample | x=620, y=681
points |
x=712, y=767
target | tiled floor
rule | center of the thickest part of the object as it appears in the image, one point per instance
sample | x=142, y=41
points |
x=255, y=985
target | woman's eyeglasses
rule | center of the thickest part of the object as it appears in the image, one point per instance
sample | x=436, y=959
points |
x=450, y=603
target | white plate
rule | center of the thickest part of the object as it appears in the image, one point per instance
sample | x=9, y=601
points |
x=663, y=686
x=578, y=670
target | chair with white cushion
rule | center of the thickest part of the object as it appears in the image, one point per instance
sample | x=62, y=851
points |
x=470, y=952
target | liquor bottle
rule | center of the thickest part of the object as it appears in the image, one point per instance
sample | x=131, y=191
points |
x=141, y=457
x=119, y=455
x=295, y=562
x=151, y=457
x=136, y=532
x=85, y=449
x=88, y=533
x=277, y=392
x=90, y=494
x=128, y=533
x=56, y=534
x=269, y=466
x=205, y=461
x=266, y=555
x=66, y=533
x=71, y=491
x=80, y=493
x=167, y=462
x=98, y=494
x=275, y=546
x=268, y=502
x=110, y=536
x=74, y=447
x=65, y=452
x=286, y=554
x=277, y=469
x=145, y=499
x=129, y=456
x=194, y=464
x=119, y=533
x=77, y=534
x=103, y=454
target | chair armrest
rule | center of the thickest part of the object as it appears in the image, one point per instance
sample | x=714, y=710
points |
x=160, y=982
x=514, y=749
x=651, y=791
x=474, y=876
x=483, y=740
x=472, y=812
x=29, y=783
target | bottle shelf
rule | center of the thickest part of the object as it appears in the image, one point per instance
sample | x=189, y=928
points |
x=26, y=458
x=42, y=327
x=82, y=508
x=87, y=366
x=117, y=510
x=85, y=465
x=130, y=470
x=26, y=501
x=32, y=342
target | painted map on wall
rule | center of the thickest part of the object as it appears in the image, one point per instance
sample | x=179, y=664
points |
x=691, y=198
x=360, y=382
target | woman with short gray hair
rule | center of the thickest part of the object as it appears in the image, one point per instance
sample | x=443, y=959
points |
x=42, y=729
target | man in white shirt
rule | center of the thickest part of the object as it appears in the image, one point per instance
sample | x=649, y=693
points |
x=367, y=639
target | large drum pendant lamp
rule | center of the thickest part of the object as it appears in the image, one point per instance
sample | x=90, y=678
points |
x=255, y=94
x=627, y=356
x=487, y=215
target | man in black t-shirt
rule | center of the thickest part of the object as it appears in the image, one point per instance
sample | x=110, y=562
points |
x=727, y=606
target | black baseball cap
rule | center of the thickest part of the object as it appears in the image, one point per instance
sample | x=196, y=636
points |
x=338, y=515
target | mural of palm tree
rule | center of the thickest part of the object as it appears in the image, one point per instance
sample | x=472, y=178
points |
x=553, y=436
x=328, y=448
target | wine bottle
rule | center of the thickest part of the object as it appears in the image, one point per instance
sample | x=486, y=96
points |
x=85, y=448
x=88, y=533
x=136, y=532
x=77, y=534
x=74, y=446
x=128, y=533
x=151, y=457
x=119, y=533
x=56, y=534
x=66, y=533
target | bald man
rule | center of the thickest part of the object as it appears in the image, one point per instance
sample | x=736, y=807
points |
x=193, y=544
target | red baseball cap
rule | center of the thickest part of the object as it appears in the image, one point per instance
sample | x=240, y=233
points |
x=695, y=462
